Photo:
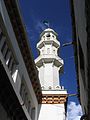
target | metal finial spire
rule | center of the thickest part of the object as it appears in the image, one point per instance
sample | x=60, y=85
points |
x=46, y=23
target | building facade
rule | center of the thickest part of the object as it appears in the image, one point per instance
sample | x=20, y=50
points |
x=20, y=90
x=80, y=12
x=49, y=65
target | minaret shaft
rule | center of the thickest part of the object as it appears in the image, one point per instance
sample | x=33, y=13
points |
x=49, y=75
x=48, y=62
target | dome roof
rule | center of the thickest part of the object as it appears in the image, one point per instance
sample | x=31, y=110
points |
x=48, y=30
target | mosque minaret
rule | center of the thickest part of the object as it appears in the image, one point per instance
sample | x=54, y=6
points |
x=49, y=65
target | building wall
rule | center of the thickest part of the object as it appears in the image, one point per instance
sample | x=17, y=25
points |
x=52, y=112
x=81, y=39
x=55, y=76
x=19, y=79
x=41, y=75
x=49, y=75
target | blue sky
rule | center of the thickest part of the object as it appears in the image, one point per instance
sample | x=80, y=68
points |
x=57, y=12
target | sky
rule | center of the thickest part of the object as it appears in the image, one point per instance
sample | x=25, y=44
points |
x=57, y=13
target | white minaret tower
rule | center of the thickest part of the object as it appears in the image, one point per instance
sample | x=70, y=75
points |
x=49, y=64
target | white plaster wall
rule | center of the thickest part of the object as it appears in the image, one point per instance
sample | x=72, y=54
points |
x=41, y=75
x=54, y=92
x=54, y=49
x=55, y=76
x=48, y=75
x=48, y=49
x=52, y=112
x=42, y=51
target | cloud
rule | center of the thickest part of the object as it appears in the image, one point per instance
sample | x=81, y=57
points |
x=36, y=28
x=74, y=111
x=40, y=26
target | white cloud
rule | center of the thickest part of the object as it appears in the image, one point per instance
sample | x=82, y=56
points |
x=40, y=26
x=74, y=111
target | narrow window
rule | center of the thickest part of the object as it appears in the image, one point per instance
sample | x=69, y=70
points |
x=54, y=51
x=48, y=35
x=53, y=36
x=48, y=50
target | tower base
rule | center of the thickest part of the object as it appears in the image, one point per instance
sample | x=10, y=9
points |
x=53, y=105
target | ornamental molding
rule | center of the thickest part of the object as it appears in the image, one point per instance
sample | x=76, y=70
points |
x=54, y=98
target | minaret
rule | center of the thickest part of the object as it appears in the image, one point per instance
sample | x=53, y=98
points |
x=49, y=65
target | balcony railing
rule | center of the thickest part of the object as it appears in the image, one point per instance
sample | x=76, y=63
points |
x=8, y=56
x=12, y=66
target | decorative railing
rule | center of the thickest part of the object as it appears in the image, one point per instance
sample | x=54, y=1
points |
x=8, y=56
x=60, y=88
x=12, y=66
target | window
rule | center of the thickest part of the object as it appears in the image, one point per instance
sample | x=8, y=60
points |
x=44, y=37
x=53, y=36
x=42, y=51
x=48, y=50
x=48, y=35
x=54, y=51
x=50, y=87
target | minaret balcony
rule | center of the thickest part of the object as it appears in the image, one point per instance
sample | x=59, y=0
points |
x=57, y=61
x=53, y=42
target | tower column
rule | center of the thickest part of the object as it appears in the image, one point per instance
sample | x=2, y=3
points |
x=49, y=64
